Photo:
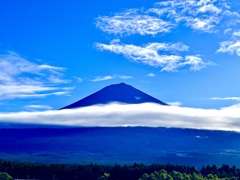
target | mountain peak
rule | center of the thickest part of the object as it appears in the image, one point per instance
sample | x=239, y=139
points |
x=122, y=93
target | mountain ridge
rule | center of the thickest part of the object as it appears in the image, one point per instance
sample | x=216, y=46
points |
x=122, y=93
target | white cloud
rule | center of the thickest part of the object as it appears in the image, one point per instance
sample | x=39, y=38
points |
x=103, y=78
x=36, y=106
x=235, y=106
x=203, y=16
x=231, y=18
x=58, y=80
x=133, y=21
x=230, y=47
x=109, y=77
x=150, y=115
x=205, y=25
x=30, y=91
x=236, y=34
x=34, y=95
x=151, y=75
x=149, y=54
x=174, y=103
x=21, y=78
x=207, y=16
x=226, y=98
x=227, y=31
x=195, y=62
x=79, y=80
x=114, y=41
x=167, y=47
x=164, y=16
x=124, y=77
x=209, y=8
x=232, y=14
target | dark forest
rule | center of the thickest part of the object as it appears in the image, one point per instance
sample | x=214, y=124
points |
x=19, y=170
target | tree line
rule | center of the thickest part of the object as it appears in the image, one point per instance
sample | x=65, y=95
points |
x=19, y=170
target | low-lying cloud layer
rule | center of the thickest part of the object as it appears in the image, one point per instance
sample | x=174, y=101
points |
x=120, y=115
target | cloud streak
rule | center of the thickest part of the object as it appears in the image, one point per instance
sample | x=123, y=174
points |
x=37, y=106
x=115, y=115
x=20, y=78
x=109, y=77
x=226, y=98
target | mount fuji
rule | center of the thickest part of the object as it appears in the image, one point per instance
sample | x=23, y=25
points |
x=120, y=93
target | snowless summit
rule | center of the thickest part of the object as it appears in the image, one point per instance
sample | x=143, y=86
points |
x=121, y=93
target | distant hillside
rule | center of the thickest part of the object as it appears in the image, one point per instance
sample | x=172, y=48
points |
x=121, y=93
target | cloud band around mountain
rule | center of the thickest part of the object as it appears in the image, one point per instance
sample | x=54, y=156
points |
x=119, y=115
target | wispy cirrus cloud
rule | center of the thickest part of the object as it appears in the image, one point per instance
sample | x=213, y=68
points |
x=205, y=25
x=195, y=62
x=232, y=44
x=226, y=98
x=133, y=21
x=38, y=107
x=198, y=15
x=204, y=16
x=230, y=47
x=102, y=78
x=118, y=115
x=232, y=18
x=21, y=78
x=79, y=80
x=157, y=54
x=236, y=34
x=164, y=16
x=109, y=77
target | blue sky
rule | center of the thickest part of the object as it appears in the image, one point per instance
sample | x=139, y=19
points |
x=53, y=53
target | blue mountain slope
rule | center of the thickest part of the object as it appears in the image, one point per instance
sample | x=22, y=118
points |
x=121, y=93
x=120, y=145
